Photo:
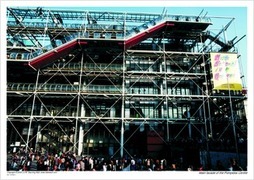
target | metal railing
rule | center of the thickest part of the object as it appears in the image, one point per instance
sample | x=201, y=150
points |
x=63, y=88
x=87, y=66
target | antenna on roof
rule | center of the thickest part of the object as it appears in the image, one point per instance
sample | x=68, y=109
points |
x=200, y=13
x=238, y=39
x=164, y=12
x=205, y=15
x=198, y=18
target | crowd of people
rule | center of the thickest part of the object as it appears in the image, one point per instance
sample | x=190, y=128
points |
x=68, y=161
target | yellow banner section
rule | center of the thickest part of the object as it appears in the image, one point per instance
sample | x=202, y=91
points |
x=225, y=69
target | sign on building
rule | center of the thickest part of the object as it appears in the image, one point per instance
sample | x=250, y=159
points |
x=225, y=69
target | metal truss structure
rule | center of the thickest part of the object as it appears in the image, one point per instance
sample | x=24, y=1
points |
x=117, y=84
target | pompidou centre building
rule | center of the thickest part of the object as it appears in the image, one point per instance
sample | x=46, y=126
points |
x=122, y=84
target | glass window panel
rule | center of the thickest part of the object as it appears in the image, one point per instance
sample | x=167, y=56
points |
x=170, y=112
x=175, y=113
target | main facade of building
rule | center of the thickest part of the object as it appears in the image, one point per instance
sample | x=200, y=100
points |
x=118, y=84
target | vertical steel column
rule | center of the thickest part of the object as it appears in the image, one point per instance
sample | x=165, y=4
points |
x=123, y=109
x=45, y=30
x=207, y=91
x=123, y=97
x=32, y=111
x=37, y=136
x=75, y=149
x=189, y=123
x=208, y=106
x=233, y=122
x=206, y=134
x=80, y=143
x=166, y=86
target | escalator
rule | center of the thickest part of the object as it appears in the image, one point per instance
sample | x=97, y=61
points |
x=130, y=39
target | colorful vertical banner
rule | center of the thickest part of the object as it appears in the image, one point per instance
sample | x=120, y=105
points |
x=225, y=69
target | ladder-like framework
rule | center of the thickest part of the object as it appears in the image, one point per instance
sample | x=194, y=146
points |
x=114, y=83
